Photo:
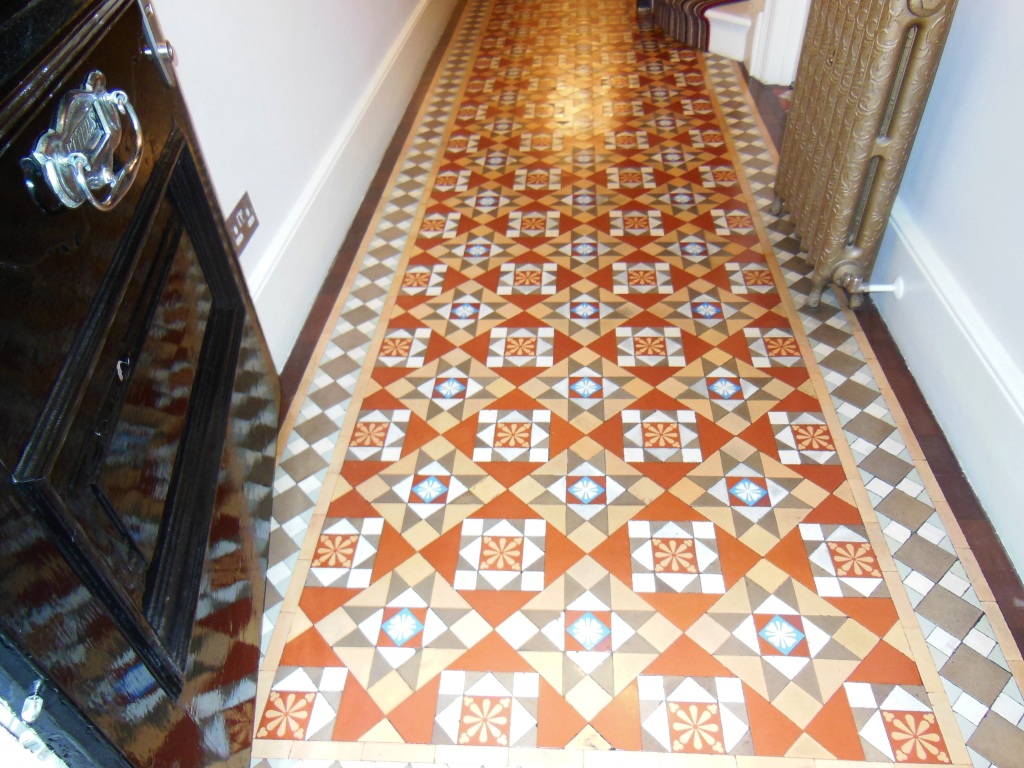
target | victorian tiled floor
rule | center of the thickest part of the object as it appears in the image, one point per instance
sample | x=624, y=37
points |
x=572, y=478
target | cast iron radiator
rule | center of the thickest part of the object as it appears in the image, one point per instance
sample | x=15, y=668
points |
x=864, y=75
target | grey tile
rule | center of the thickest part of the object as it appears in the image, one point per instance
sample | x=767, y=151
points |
x=981, y=678
x=953, y=614
x=855, y=393
x=340, y=366
x=832, y=337
x=926, y=558
x=885, y=466
x=998, y=741
x=905, y=509
x=290, y=503
x=316, y=429
x=329, y=396
x=302, y=465
x=871, y=428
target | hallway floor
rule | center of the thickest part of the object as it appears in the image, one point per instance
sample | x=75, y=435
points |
x=572, y=476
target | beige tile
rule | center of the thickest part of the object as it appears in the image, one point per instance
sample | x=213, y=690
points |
x=690, y=761
x=1003, y=635
x=326, y=750
x=612, y=759
x=545, y=758
x=744, y=761
x=277, y=642
x=485, y=757
x=398, y=753
x=270, y=748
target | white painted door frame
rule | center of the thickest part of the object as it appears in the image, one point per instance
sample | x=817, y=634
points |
x=777, y=35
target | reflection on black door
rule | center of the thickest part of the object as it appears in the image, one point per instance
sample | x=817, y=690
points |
x=137, y=432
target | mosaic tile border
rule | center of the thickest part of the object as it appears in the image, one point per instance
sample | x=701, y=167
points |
x=307, y=451
x=960, y=622
x=901, y=492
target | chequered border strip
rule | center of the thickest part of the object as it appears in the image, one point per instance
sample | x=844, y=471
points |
x=950, y=612
x=304, y=462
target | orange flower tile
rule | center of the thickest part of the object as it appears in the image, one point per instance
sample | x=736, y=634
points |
x=661, y=434
x=695, y=728
x=854, y=559
x=335, y=551
x=674, y=556
x=501, y=553
x=286, y=715
x=486, y=721
x=370, y=434
x=813, y=437
x=915, y=737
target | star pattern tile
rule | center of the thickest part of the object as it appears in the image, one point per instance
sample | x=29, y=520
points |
x=592, y=495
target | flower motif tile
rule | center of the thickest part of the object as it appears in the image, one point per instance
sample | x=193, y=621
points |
x=773, y=347
x=521, y=347
x=518, y=278
x=694, y=715
x=501, y=555
x=897, y=723
x=512, y=436
x=750, y=278
x=424, y=280
x=378, y=435
x=345, y=553
x=303, y=704
x=675, y=557
x=645, y=347
x=487, y=709
x=642, y=277
x=660, y=436
x=803, y=438
x=843, y=561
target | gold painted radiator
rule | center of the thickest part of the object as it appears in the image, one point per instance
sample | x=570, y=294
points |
x=864, y=75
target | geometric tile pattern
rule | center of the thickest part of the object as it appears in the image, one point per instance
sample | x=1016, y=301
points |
x=593, y=494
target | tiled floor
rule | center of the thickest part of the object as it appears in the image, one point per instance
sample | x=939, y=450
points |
x=572, y=478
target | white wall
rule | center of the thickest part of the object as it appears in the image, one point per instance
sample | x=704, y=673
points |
x=955, y=238
x=296, y=103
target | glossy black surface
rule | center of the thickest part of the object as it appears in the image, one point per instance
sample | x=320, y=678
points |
x=138, y=419
x=26, y=26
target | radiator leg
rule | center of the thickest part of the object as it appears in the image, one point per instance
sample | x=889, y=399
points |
x=776, y=208
x=814, y=297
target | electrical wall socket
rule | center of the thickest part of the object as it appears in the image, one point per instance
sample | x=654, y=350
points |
x=242, y=223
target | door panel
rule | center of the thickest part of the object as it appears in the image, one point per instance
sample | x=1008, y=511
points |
x=138, y=416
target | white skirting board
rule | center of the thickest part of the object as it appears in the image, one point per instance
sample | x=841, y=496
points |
x=285, y=283
x=971, y=383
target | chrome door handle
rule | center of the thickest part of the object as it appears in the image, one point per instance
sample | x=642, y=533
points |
x=77, y=155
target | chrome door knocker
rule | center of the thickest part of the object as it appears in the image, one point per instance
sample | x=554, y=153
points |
x=76, y=156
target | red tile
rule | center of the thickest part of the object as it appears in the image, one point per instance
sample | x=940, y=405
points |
x=887, y=665
x=835, y=729
x=309, y=650
x=558, y=722
x=357, y=713
x=619, y=722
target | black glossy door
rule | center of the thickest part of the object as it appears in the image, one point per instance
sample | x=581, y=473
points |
x=137, y=433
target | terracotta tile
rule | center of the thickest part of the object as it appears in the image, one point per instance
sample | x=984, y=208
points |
x=660, y=310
